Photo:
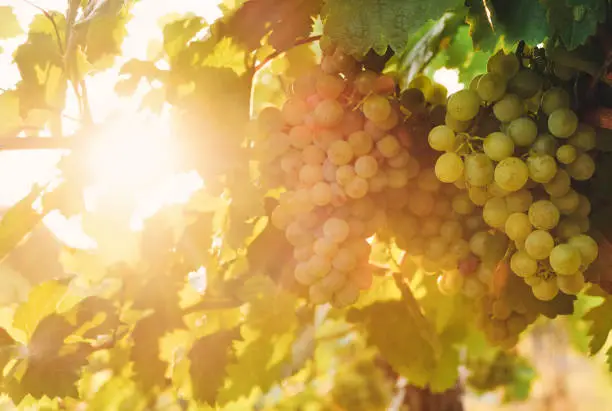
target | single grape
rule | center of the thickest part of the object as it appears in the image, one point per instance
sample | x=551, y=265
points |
x=567, y=203
x=542, y=168
x=526, y=83
x=366, y=166
x=544, y=215
x=509, y=108
x=553, y=99
x=463, y=105
x=582, y=168
x=568, y=227
x=329, y=86
x=478, y=243
x=412, y=99
x=495, y=212
x=544, y=144
x=565, y=259
x=566, y=154
x=562, y=123
x=310, y=174
x=360, y=142
x=501, y=310
x=584, y=138
x=462, y=204
x=388, y=146
x=456, y=125
x=587, y=247
x=321, y=193
x=498, y=146
x=328, y=113
x=519, y=201
x=313, y=155
x=523, y=131
x=546, y=290
x=478, y=169
x=559, y=185
x=340, y=153
x=324, y=137
x=336, y=229
x=357, y=188
x=442, y=138
x=539, y=244
x=571, y=284
x=491, y=87
x=511, y=174
x=401, y=160
x=506, y=65
x=517, y=226
x=522, y=264
x=478, y=195
x=294, y=111
x=450, y=282
x=376, y=108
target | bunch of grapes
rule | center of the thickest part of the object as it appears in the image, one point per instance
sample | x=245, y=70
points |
x=338, y=149
x=514, y=147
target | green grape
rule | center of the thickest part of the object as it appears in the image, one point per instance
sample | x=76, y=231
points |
x=517, y=226
x=562, y=123
x=566, y=154
x=336, y=229
x=523, y=131
x=522, y=264
x=587, y=247
x=294, y=111
x=329, y=86
x=474, y=83
x=571, y=284
x=478, y=170
x=449, y=167
x=584, y=138
x=319, y=266
x=539, y=244
x=451, y=230
x=498, y=146
x=546, y=290
x=511, y=174
x=423, y=83
x=478, y=243
x=366, y=166
x=442, y=138
x=376, y=108
x=509, y=108
x=526, y=83
x=310, y=174
x=463, y=105
x=450, y=282
x=491, y=87
x=456, y=125
x=559, y=185
x=361, y=142
x=506, y=65
x=584, y=207
x=478, y=195
x=462, y=204
x=568, y=227
x=495, y=212
x=565, y=259
x=357, y=188
x=519, y=201
x=533, y=280
x=553, y=99
x=439, y=94
x=543, y=215
x=501, y=310
x=542, y=168
x=388, y=146
x=321, y=193
x=544, y=144
x=582, y=168
x=567, y=203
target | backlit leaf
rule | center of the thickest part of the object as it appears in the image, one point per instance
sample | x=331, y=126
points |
x=9, y=25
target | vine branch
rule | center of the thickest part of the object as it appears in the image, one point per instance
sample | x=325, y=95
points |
x=277, y=53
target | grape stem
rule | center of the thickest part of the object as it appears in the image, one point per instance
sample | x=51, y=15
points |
x=277, y=53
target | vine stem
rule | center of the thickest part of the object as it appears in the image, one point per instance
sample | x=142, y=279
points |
x=277, y=53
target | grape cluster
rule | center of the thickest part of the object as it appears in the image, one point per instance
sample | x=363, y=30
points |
x=338, y=149
x=512, y=144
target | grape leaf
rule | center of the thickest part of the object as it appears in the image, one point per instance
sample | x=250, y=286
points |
x=179, y=32
x=601, y=325
x=209, y=357
x=360, y=25
x=520, y=20
x=574, y=21
x=42, y=301
x=11, y=120
x=9, y=25
x=482, y=31
x=104, y=35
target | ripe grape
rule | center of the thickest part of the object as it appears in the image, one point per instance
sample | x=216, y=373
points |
x=544, y=144
x=587, y=247
x=539, y=244
x=517, y=226
x=366, y=166
x=321, y=193
x=543, y=215
x=462, y=204
x=463, y=105
x=562, y=123
x=388, y=146
x=340, y=153
x=582, y=168
x=519, y=201
x=523, y=131
x=491, y=87
x=553, y=99
x=357, y=188
x=511, y=174
x=546, y=290
x=450, y=282
x=329, y=86
x=313, y=155
x=495, y=212
x=506, y=65
x=526, y=83
x=571, y=284
x=498, y=146
x=376, y=108
x=336, y=229
x=311, y=174
x=509, y=108
x=559, y=185
x=565, y=259
x=584, y=138
x=401, y=160
x=478, y=169
x=478, y=195
x=566, y=154
x=442, y=138
x=567, y=203
x=294, y=111
x=542, y=168
x=344, y=260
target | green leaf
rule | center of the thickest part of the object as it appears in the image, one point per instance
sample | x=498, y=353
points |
x=482, y=31
x=42, y=302
x=521, y=20
x=53, y=24
x=601, y=324
x=179, y=32
x=9, y=25
x=574, y=21
x=359, y=25
x=11, y=120
x=104, y=35
x=209, y=357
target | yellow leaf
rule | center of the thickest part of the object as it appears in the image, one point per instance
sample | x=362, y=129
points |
x=9, y=113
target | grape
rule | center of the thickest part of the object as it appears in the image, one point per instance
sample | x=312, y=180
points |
x=506, y=65
x=587, y=247
x=442, y=138
x=478, y=195
x=519, y=201
x=334, y=281
x=345, y=174
x=436, y=248
x=376, y=108
x=320, y=266
x=336, y=229
x=364, y=82
x=325, y=247
x=522, y=264
x=303, y=274
x=291, y=162
x=498, y=146
x=565, y=259
x=553, y=99
x=568, y=227
x=478, y=243
x=501, y=310
x=543, y=215
x=491, y=87
x=539, y=244
x=566, y=154
x=533, y=280
x=412, y=99
x=562, y=123
x=559, y=185
x=584, y=206
x=366, y=166
x=584, y=138
x=270, y=120
x=352, y=122
x=401, y=160
x=311, y=174
x=397, y=178
x=344, y=260
x=388, y=146
x=462, y=204
x=321, y=193
x=526, y=84
x=542, y=168
x=509, y=108
x=472, y=288
x=294, y=111
x=439, y=94
x=357, y=188
x=522, y=131
x=495, y=212
x=450, y=282
x=390, y=122
x=544, y=144
x=457, y=125
x=478, y=169
x=330, y=86
x=463, y=105
x=361, y=142
x=323, y=138
x=340, y=153
x=313, y=155
x=280, y=217
x=582, y=168
x=567, y=203
x=546, y=290
x=517, y=226
x=328, y=113
x=511, y=174
x=474, y=82
x=451, y=230
x=571, y=284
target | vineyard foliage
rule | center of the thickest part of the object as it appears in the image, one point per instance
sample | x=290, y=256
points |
x=199, y=307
